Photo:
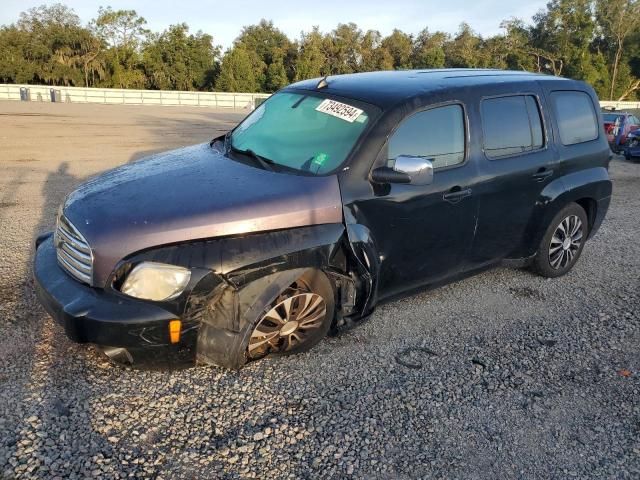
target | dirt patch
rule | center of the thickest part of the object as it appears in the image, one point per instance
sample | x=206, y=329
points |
x=526, y=292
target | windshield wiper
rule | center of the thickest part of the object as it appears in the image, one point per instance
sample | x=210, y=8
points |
x=265, y=163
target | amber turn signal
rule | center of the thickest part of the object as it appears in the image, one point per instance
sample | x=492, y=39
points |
x=174, y=331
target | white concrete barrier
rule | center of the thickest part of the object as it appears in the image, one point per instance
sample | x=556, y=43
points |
x=620, y=105
x=42, y=93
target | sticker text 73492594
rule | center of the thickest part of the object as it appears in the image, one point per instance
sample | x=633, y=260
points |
x=340, y=110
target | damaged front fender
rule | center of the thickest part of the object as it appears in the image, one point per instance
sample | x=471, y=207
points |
x=239, y=276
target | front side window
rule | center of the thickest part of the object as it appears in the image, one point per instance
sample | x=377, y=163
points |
x=308, y=133
x=436, y=134
x=511, y=125
x=577, y=120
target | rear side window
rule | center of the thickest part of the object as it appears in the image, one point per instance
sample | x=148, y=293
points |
x=511, y=125
x=576, y=117
x=436, y=134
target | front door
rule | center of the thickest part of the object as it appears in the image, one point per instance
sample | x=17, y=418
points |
x=423, y=233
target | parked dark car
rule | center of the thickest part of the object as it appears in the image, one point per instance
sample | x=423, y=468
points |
x=332, y=196
x=617, y=126
x=632, y=146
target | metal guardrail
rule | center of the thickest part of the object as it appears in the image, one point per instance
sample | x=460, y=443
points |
x=115, y=96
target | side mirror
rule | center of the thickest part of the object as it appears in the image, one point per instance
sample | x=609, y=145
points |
x=406, y=169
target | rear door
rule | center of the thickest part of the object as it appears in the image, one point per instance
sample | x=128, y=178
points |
x=516, y=164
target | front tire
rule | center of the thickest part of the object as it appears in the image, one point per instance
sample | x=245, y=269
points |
x=563, y=242
x=296, y=320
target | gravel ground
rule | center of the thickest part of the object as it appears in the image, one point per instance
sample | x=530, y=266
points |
x=513, y=376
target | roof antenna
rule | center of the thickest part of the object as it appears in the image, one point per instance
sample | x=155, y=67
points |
x=323, y=83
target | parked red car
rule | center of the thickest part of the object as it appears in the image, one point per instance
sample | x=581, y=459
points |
x=617, y=126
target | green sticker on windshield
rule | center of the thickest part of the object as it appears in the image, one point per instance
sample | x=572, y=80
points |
x=320, y=159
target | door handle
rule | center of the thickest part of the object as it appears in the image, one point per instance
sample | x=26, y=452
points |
x=456, y=194
x=542, y=174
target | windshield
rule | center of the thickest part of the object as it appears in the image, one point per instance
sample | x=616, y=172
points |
x=611, y=117
x=301, y=131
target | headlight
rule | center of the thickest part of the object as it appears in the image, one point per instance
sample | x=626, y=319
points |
x=156, y=281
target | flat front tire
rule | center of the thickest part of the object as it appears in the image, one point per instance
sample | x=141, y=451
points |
x=563, y=242
x=296, y=320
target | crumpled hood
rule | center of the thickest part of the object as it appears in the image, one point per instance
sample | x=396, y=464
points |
x=192, y=193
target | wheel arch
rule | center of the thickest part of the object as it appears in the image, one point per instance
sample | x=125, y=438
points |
x=253, y=270
x=590, y=206
x=585, y=187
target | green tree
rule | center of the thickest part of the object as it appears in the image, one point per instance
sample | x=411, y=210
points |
x=618, y=19
x=372, y=53
x=345, y=49
x=178, y=60
x=518, y=54
x=276, y=76
x=400, y=47
x=465, y=50
x=15, y=65
x=312, y=59
x=237, y=72
x=48, y=45
x=266, y=45
x=123, y=31
x=564, y=33
x=428, y=50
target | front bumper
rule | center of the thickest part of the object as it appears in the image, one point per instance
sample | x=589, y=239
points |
x=632, y=151
x=109, y=319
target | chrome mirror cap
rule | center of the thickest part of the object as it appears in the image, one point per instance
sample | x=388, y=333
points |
x=419, y=169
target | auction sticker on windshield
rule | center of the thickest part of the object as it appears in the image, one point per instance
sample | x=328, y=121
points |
x=340, y=110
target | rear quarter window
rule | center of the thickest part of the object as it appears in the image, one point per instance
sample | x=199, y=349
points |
x=576, y=117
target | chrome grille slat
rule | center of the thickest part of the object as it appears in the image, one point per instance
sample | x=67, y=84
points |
x=72, y=241
x=83, y=277
x=75, y=263
x=73, y=252
x=77, y=254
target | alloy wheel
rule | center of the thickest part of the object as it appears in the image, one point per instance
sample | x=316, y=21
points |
x=291, y=319
x=565, y=242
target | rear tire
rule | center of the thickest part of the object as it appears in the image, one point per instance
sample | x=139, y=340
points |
x=563, y=242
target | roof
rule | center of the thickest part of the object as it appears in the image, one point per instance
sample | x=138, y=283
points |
x=387, y=88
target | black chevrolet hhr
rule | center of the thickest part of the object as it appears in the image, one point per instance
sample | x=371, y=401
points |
x=331, y=196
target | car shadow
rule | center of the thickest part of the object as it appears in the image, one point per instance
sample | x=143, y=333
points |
x=44, y=409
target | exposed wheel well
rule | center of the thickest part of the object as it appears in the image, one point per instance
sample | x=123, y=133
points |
x=589, y=205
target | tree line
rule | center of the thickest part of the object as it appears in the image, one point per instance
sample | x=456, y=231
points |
x=597, y=41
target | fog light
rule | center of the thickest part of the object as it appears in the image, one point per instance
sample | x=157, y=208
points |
x=174, y=331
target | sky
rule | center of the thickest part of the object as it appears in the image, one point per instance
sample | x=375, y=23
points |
x=225, y=19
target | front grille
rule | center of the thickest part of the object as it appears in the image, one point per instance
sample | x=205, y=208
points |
x=73, y=251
